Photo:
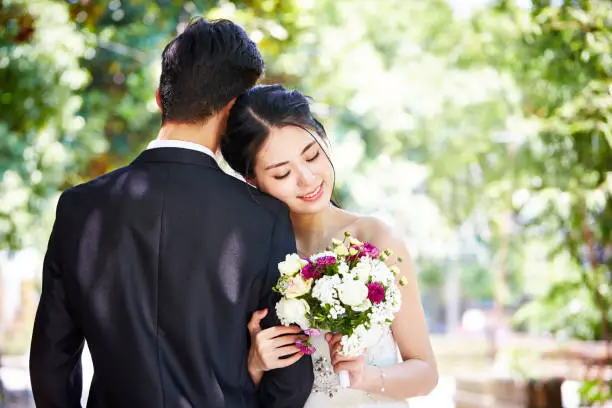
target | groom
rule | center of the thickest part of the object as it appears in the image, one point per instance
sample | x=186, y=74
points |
x=159, y=264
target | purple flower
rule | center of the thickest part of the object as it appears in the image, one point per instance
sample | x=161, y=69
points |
x=312, y=332
x=370, y=250
x=326, y=260
x=310, y=271
x=376, y=292
x=305, y=347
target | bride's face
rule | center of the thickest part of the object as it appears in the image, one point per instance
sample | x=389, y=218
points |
x=293, y=167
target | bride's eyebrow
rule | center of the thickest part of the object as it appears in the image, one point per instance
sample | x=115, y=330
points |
x=275, y=165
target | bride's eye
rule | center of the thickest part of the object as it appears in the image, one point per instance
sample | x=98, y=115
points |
x=313, y=158
x=282, y=176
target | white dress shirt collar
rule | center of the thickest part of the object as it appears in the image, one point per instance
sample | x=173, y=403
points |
x=156, y=144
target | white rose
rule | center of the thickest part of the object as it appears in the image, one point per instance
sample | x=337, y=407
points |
x=365, y=305
x=297, y=287
x=291, y=265
x=353, y=293
x=291, y=311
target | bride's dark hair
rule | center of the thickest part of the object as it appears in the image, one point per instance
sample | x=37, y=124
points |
x=254, y=114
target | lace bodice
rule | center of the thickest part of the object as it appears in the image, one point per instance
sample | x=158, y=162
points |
x=326, y=392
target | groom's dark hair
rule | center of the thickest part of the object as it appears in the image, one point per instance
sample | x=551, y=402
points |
x=204, y=68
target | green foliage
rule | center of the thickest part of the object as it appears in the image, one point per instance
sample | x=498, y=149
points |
x=559, y=56
x=592, y=392
x=40, y=126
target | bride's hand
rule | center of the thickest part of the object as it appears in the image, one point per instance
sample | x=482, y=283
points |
x=269, y=346
x=355, y=366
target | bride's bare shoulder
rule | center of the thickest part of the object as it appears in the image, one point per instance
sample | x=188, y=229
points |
x=371, y=229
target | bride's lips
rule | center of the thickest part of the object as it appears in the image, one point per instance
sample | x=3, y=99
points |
x=313, y=195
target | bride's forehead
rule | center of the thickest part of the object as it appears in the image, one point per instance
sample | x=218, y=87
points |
x=286, y=140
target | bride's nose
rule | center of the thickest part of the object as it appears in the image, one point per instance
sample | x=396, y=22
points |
x=307, y=177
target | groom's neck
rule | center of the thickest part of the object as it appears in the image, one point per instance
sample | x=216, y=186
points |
x=207, y=134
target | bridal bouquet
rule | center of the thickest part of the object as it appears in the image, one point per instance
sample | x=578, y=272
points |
x=347, y=289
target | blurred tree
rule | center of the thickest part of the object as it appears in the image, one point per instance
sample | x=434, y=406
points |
x=42, y=132
x=559, y=54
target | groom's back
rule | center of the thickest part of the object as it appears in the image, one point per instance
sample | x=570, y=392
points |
x=166, y=258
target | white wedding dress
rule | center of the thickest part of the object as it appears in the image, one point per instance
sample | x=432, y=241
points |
x=326, y=391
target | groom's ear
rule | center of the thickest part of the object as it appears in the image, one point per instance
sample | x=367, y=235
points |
x=158, y=99
x=228, y=107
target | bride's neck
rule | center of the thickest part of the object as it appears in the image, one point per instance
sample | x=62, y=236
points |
x=311, y=230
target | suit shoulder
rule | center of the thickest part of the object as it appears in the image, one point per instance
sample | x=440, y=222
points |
x=82, y=192
x=98, y=182
x=254, y=197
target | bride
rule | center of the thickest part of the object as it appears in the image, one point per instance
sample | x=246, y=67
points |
x=275, y=143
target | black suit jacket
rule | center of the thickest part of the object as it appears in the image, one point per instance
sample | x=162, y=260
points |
x=158, y=266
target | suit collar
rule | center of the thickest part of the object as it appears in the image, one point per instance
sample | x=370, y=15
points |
x=177, y=155
x=157, y=143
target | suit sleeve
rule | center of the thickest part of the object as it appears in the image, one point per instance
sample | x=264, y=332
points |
x=57, y=342
x=287, y=387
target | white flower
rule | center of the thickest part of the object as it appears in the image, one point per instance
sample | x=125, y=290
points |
x=297, y=286
x=381, y=315
x=362, y=270
x=354, y=344
x=393, y=298
x=343, y=268
x=291, y=311
x=353, y=293
x=324, y=289
x=363, y=307
x=374, y=268
x=291, y=265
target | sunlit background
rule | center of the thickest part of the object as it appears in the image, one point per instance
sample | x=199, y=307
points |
x=481, y=129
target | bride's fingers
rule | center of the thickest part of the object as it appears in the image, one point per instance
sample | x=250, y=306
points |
x=337, y=358
x=286, y=362
x=285, y=340
x=333, y=339
x=334, y=345
x=282, y=357
x=267, y=348
x=286, y=351
x=277, y=331
x=347, y=365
